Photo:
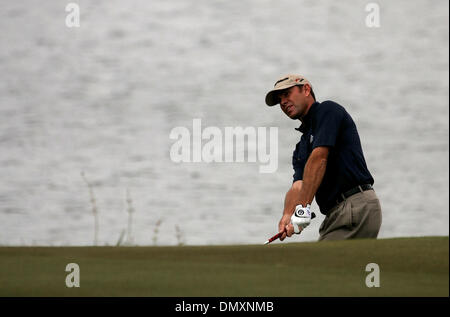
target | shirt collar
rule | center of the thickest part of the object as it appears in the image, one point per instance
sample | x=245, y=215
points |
x=307, y=119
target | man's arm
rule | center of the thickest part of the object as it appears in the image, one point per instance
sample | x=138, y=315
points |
x=312, y=176
x=302, y=192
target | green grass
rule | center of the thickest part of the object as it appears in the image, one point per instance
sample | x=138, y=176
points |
x=408, y=267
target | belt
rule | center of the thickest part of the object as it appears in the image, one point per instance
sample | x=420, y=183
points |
x=354, y=190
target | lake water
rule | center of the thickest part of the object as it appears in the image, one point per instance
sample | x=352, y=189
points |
x=103, y=98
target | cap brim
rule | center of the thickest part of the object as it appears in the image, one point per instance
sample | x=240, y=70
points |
x=272, y=96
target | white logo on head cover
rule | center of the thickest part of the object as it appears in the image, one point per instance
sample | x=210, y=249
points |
x=311, y=139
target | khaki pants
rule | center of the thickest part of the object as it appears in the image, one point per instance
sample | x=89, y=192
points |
x=359, y=216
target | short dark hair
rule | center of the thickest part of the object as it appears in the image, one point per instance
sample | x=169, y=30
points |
x=312, y=92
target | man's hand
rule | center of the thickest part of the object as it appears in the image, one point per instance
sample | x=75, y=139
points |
x=301, y=218
x=286, y=227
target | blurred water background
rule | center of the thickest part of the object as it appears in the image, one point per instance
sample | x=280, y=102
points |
x=102, y=99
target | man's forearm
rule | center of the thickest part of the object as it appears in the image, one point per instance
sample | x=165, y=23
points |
x=292, y=198
x=303, y=192
x=312, y=178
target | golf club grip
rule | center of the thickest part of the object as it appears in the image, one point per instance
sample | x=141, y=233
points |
x=278, y=235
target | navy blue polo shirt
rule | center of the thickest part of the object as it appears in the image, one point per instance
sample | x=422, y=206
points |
x=328, y=124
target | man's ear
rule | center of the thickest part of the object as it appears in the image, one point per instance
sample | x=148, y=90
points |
x=307, y=89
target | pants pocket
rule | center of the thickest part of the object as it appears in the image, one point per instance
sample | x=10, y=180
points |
x=365, y=213
x=341, y=217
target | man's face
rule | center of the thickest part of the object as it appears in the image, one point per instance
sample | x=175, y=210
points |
x=293, y=101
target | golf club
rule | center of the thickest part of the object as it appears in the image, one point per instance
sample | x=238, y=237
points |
x=279, y=234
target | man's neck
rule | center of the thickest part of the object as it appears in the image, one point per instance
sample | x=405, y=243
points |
x=306, y=112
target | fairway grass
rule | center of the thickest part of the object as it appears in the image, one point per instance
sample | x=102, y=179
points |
x=408, y=267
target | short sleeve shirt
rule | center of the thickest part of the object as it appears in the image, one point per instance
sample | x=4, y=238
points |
x=328, y=124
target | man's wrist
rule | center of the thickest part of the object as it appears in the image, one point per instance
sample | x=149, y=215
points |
x=289, y=212
x=302, y=206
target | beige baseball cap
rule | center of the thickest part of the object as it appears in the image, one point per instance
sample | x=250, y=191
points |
x=284, y=82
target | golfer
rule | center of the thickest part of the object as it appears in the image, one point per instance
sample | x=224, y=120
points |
x=328, y=164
